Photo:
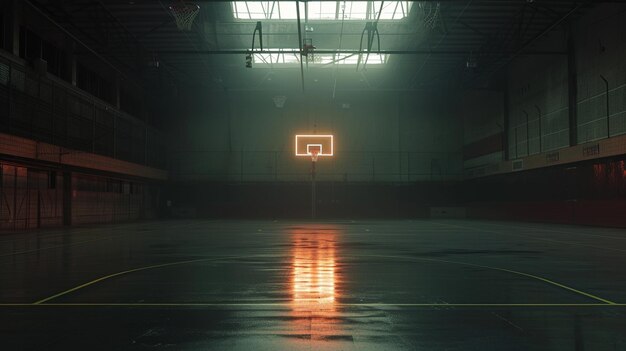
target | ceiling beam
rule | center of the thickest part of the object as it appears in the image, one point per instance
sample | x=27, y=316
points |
x=388, y=52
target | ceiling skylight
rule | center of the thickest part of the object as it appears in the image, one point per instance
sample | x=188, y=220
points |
x=321, y=10
x=292, y=57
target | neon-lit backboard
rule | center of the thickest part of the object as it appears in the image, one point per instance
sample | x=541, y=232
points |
x=306, y=144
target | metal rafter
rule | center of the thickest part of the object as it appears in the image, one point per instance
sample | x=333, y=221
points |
x=492, y=30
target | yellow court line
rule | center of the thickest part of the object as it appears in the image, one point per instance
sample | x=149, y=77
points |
x=118, y=274
x=290, y=304
x=545, y=280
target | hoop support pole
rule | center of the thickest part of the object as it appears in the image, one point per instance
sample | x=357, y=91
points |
x=313, y=192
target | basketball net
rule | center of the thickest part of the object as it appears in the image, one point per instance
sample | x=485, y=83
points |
x=314, y=155
x=184, y=14
x=430, y=13
x=279, y=101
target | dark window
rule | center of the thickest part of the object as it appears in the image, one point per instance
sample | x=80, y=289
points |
x=113, y=186
x=33, y=47
x=52, y=180
x=30, y=44
x=130, y=103
x=3, y=31
x=56, y=59
x=93, y=83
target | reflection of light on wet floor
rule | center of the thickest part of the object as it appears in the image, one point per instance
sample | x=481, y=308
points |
x=314, y=270
x=314, y=285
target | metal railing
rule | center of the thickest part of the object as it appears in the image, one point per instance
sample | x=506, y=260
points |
x=47, y=109
x=344, y=166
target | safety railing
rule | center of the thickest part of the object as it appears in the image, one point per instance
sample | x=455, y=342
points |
x=50, y=110
x=216, y=165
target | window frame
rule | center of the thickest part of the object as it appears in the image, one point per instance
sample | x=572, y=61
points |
x=370, y=14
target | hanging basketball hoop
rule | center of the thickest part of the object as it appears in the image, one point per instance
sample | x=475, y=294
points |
x=279, y=101
x=184, y=13
x=430, y=13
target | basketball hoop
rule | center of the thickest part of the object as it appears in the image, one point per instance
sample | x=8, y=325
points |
x=279, y=101
x=184, y=13
x=314, y=146
x=430, y=13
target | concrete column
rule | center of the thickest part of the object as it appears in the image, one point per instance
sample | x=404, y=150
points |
x=505, y=121
x=145, y=147
x=13, y=27
x=67, y=198
x=572, y=84
x=117, y=84
x=72, y=63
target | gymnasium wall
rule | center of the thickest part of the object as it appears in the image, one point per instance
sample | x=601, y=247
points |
x=48, y=109
x=588, y=193
x=483, y=127
x=34, y=197
x=30, y=198
x=546, y=178
x=379, y=136
x=104, y=200
x=537, y=87
x=293, y=199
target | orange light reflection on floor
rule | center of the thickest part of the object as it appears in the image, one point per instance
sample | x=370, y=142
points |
x=315, y=283
x=313, y=269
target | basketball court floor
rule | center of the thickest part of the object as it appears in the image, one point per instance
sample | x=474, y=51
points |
x=340, y=285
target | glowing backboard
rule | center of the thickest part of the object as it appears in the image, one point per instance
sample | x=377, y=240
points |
x=307, y=144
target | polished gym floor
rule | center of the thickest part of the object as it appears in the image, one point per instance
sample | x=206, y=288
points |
x=325, y=285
